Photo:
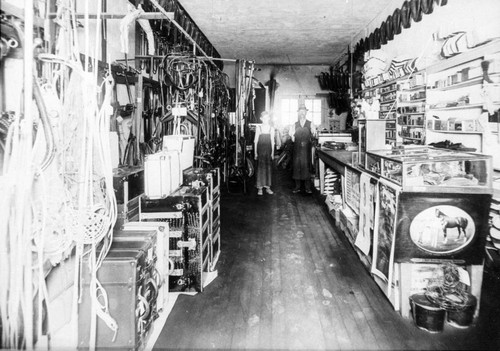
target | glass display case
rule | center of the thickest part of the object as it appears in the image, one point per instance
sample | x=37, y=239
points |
x=433, y=170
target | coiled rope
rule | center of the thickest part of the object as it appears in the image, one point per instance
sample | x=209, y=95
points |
x=446, y=290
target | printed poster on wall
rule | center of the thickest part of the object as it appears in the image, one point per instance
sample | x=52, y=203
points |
x=352, y=196
x=383, y=243
x=366, y=214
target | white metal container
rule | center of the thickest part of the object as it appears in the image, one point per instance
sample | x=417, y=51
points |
x=183, y=144
x=162, y=174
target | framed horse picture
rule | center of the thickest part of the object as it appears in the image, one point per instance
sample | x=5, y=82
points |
x=440, y=226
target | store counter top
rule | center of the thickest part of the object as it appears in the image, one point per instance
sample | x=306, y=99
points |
x=336, y=159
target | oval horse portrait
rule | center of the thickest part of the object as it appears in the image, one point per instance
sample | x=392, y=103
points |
x=442, y=229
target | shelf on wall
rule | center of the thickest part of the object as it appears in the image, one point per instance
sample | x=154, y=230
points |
x=472, y=81
x=479, y=51
x=411, y=113
x=412, y=101
x=410, y=138
x=459, y=107
x=105, y=16
x=454, y=131
x=416, y=87
x=389, y=82
x=387, y=102
x=412, y=125
x=389, y=91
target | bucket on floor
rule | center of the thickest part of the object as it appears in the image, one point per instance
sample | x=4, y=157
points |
x=427, y=315
x=463, y=318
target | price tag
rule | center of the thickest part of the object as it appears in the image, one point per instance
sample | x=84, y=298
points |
x=464, y=276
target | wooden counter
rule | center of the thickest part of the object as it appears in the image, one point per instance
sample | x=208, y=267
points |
x=409, y=274
x=336, y=160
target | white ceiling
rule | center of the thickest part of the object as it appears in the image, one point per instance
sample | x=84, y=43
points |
x=283, y=31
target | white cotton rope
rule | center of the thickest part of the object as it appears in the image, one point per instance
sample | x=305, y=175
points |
x=78, y=165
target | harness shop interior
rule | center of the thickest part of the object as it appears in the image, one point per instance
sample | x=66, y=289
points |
x=191, y=174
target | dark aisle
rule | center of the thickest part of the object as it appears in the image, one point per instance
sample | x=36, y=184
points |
x=288, y=280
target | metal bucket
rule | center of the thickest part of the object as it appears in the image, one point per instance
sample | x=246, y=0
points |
x=427, y=315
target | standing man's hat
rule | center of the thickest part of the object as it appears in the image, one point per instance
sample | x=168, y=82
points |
x=302, y=108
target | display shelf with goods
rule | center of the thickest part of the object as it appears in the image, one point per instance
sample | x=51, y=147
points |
x=402, y=100
x=411, y=104
x=439, y=212
x=433, y=170
x=187, y=212
x=419, y=194
x=391, y=130
x=464, y=99
x=388, y=93
x=209, y=177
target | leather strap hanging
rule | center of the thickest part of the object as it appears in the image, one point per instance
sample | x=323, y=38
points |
x=396, y=21
x=440, y=2
x=376, y=38
x=427, y=6
x=389, y=31
x=383, y=34
x=405, y=15
x=367, y=43
x=416, y=10
x=371, y=39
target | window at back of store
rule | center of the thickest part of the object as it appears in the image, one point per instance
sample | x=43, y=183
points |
x=289, y=110
x=314, y=113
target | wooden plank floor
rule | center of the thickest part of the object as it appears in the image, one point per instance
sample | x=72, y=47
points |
x=288, y=280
